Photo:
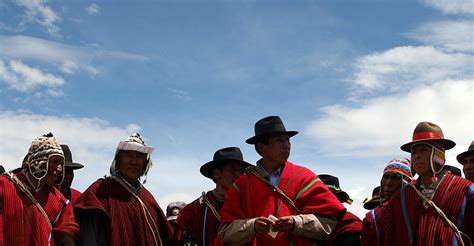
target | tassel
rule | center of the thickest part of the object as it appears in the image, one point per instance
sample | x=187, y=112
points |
x=434, y=179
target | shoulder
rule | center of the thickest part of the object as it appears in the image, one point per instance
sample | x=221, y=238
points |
x=293, y=168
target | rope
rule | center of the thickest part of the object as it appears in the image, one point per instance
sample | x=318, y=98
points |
x=209, y=204
x=147, y=213
x=274, y=188
x=441, y=213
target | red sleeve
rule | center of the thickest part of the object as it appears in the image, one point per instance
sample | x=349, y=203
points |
x=186, y=220
x=368, y=230
x=315, y=198
x=232, y=208
x=468, y=225
x=66, y=224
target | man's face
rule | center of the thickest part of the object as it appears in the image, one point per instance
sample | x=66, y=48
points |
x=131, y=164
x=390, y=184
x=55, y=170
x=68, y=177
x=420, y=159
x=229, y=173
x=468, y=167
x=278, y=148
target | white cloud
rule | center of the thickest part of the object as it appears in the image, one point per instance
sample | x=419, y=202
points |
x=93, y=142
x=93, y=9
x=18, y=50
x=450, y=35
x=452, y=6
x=69, y=58
x=400, y=67
x=37, y=11
x=379, y=126
x=21, y=77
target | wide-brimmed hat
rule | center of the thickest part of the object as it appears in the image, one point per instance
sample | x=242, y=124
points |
x=452, y=169
x=332, y=182
x=375, y=201
x=221, y=157
x=427, y=131
x=470, y=150
x=268, y=125
x=68, y=158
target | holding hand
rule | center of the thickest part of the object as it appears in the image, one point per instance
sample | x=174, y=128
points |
x=262, y=225
x=284, y=224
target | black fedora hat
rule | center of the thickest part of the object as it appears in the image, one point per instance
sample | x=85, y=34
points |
x=375, y=201
x=268, y=125
x=68, y=158
x=332, y=183
x=221, y=157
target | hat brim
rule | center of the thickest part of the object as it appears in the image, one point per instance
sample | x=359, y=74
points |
x=372, y=203
x=172, y=217
x=461, y=156
x=73, y=165
x=253, y=140
x=207, y=168
x=342, y=196
x=448, y=144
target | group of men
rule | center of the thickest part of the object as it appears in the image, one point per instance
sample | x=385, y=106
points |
x=274, y=202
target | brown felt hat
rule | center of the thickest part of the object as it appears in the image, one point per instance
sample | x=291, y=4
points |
x=470, y=150
x=427, y=131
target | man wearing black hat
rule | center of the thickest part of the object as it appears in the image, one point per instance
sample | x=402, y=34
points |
x=70, y=193
x=277, y=202
x=200, y=220
x=348, y=230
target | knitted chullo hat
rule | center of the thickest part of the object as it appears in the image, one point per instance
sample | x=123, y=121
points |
x=133, y=143
x=41, y=150
x=401, y=166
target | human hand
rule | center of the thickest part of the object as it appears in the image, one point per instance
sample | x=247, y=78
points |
x=262, y=225
x=284, y=224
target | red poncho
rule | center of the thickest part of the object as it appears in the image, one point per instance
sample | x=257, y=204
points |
x=348, y=225
x=198, y=219
x=250, y=197
x=405, y=221
x=124, y=222
x=370, y=231
x=22, y=223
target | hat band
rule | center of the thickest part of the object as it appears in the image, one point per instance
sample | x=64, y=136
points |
x=426, y=135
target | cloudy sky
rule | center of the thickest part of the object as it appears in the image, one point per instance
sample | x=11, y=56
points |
x=353, y=77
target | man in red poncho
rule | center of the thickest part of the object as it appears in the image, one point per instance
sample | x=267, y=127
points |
x=348, y=230
x=439, y=208
x=118, y=210
x=32, y=210
x=396, y=174
x=200, y=219
x=70, y=193
x=277, y=202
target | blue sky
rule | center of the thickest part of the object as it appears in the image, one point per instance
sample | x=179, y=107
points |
x=353, y=77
